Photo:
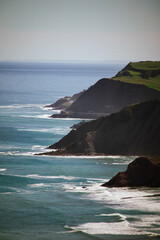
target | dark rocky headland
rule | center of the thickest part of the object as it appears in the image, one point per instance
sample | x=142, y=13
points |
x=143, y=171
x=135, y=83
x=135, y=130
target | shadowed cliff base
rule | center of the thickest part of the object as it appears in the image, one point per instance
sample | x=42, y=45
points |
x=133, y=131
x=143, y=171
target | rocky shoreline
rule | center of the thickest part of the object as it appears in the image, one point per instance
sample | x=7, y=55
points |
x=127, y=123
x=142, y=172
x=129, y=132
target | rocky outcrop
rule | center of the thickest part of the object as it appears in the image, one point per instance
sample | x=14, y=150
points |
x=63, y=103
x=132, y=131
x=77, y=125
x=143, y=171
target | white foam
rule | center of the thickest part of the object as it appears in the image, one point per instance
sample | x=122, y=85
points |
x=118, y=198
x=118, y=163
x=10, y=147
x=115, y=156
x=121, y=216
x=41, y=147
x=17, y=153
x=37, y=176
x=81, y=156
x=36, y=150
x=43, y=116
x=126, y=198
x=19, y=106
x=2, y=169
x=51, y=109
x=38, y=185
x=6, y=193
x=9, y=153
x=47, y=130
x=90, y=190
x=115, y=228
x=72, y=119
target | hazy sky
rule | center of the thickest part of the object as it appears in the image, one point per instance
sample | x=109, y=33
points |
x=96, y=30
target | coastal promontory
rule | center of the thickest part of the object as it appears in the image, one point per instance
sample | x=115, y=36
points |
x=135, y=83
x=143, y=171
x=135, y=130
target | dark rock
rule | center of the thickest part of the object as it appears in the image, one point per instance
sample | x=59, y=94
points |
x=132, y=131
x=83, y=115
x=143, y=171
x=110, y=95
x=65, y=102
x=77, y=125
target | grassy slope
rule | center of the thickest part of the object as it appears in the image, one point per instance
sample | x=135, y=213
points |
x=134, y=71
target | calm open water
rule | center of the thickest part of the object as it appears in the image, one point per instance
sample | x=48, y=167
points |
x=56, y=198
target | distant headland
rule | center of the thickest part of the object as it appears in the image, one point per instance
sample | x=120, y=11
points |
x=137, y=82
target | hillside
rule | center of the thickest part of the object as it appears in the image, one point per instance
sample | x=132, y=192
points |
x=146, y=73
x=135, y=83
x=65, y=102
x=132, y=131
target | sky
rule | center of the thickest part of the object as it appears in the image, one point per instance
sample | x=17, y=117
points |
x=79, y=30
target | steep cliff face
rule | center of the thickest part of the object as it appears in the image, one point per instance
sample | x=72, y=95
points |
x=108, y=96
x=135, y=83
x=132, y=131
x=63, y=103
x=143, y=171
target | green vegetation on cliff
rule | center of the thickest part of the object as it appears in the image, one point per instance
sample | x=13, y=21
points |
x=137, y=82
x=145, y=72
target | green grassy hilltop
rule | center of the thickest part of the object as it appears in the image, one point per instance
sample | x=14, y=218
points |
x=146, y=73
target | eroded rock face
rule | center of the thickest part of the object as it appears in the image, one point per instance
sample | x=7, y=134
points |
x=65, y=102
x=105, y=97
x=110, y=95
x=132, y=131
x=143, y=171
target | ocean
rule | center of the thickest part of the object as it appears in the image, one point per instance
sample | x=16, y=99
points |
x=55, y=198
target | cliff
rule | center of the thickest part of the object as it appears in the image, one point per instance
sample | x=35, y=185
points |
x=135, y=83
x=132, y=131
x=144, y=72
x=108, y=96
x=63, y=103
x=143, y=171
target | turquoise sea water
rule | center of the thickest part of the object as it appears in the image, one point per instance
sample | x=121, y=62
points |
x=61, y=197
